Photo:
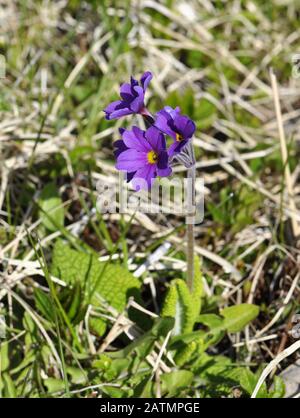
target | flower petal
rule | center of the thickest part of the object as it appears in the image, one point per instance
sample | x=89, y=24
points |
x=172, y=112
x=189, y=129
x=163, y=160
x=184, y=125
x=131, y=160
x=163, y=121
x=120, y=147
x=163, y=169
x=156, y=139
x=144, y=177
x=117, y=109
x=119, y=113
x=176, y=147
x=126, y=91
x=136, y=140
x=138, y=103
x=113, y=106
x=145, y=79
x=133, y=82
x=164, y=172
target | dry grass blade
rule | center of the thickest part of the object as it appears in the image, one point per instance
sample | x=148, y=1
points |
x=284, y=152
x=273, y=364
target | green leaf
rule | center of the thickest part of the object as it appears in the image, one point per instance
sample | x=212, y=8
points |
x=185, y=353
x=248, y=381
x=103, y=363
x=218, y=375
x=214, y=322
x=181, y=304
x=144, y=389
x=183, y=314
x=100, y=281
x=77, y=375
x=28, y=359
x=72, y=301
x=4, y=356
x=186, y=338
x=216, y=326
x=278, y=390
x=50, y=207
x=174, y=382
x=9, y=387
x=54, y=385
x=237, y=317
x=116, y=367
x=113, y=392
x=98, y=326
x=44, y=304
x=143, y=345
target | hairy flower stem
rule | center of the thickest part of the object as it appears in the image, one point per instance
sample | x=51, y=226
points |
x=190, y=221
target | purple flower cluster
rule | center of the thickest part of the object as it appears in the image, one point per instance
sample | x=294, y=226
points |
x=144, y=155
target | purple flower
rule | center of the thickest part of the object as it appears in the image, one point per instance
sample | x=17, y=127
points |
x=181, y=128
x=119, y=148
x=132, y=96
x=143, y=156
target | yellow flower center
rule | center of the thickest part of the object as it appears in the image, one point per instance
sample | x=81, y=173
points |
x=179, y=137
x=152, y=157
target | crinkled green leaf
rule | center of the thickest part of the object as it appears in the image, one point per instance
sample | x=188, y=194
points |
x=112, y=282
x=100, y=281
x=184, y=306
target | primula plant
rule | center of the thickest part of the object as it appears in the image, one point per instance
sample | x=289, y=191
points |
x=144, y=155
x=121, y=274
x=117, y=280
